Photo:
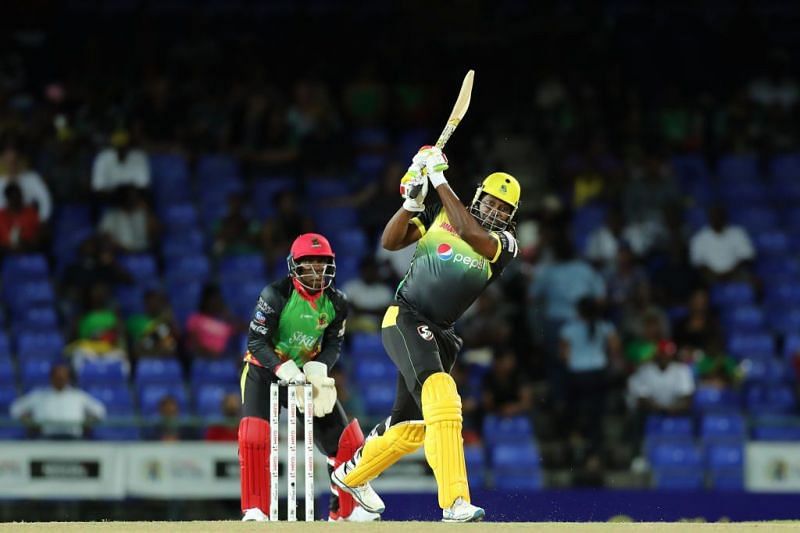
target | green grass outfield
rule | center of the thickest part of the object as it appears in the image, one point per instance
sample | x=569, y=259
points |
x=399, y=527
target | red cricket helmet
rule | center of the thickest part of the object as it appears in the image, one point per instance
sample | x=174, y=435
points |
x=311, y=245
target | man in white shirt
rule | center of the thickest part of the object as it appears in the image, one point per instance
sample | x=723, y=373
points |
x=604, y=242
x=130, y=223
x=662, y=386
x=59, y=411
x=34, y=189
x=120, y=165
x=720, y=250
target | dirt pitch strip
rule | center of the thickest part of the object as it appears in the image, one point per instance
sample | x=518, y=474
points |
x=397, y=527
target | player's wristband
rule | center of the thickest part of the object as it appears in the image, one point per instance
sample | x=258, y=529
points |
x=436, y=178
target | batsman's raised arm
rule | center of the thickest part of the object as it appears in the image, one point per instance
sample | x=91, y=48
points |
x=402, y=229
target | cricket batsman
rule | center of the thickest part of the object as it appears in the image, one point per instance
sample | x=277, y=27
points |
x=296, y=336
x=460, y=252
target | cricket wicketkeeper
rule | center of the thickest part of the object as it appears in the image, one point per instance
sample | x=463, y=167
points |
x=296, y=336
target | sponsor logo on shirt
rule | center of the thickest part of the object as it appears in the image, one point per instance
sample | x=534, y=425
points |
x=260, y=317
x=445, y=252
x=425, y=332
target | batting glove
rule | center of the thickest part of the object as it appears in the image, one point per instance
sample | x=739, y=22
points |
x=414, y=188
x=435, y=163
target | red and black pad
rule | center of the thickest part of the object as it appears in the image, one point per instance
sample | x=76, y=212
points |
x=254, y=463
x=349, y=442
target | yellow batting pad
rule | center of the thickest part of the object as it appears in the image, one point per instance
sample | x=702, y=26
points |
x=380, y=453
x=390, y=318
x=444, y=446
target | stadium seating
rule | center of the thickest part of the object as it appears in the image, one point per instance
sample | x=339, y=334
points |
x=158, y=371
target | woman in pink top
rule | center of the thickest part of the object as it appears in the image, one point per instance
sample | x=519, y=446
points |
x=210, y=328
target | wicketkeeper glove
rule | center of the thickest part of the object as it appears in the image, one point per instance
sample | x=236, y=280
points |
x=324, y=388
x=288, y=372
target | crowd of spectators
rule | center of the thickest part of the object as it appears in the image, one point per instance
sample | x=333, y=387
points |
x=607, y=313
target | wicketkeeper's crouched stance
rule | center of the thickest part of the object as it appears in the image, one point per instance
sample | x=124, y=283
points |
x=296, y=336
x=459, y=254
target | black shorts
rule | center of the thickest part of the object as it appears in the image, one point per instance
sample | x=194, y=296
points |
x=418, y=348
x=255, y=384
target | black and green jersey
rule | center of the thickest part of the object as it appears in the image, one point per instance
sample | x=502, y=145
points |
x=446, y=275
x=287, y=326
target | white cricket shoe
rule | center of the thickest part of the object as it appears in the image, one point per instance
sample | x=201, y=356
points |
x=255, y=515
x=364, y=495
x=360, y=514
x=461, y=511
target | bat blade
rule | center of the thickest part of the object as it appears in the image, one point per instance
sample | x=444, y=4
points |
x=459, y=109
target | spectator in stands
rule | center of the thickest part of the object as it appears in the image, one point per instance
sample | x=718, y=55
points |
x=624, y=277
x=650, y=189
x=505, y=391
x=605, y=241
x=485, y=324
x=96, y=262
x=590, y=348
x=20, y=228
x=169, y=427
x=674, y=279
x=129, y=223
x=227, y=429
x=63, y=161
x=663, y=386
x=368, y=296
x=120, y=164
x=643, y=325
x=721, y=251
x=699, y=328
x=717, y=369
x=209, y=329
x=288, y=222
x=236, y=232
x=100, y=330
x=60, y=411
x=34, y=190
x=154, y=333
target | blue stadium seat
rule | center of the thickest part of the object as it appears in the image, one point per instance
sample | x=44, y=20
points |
x=503, y=430
x=102, y=372
x=696, y=218
x=184, y=293
x=8, y=394
x=142, y=267
x=370, y=165
x=222, y=372
x=586, y=219
x=476, y=468
x=783, y=294
x=366, y=345
x=744, y=318
x=529, y=479
x=8, y=376
x=169, y=170
x=785, y=167
x=669, y=427
x=241, y=295
x=782, y=269
x=678, y=478
x=727, y=479
x=374, y=368
x=738, y=167
x=26, y=294
x=43, y=316
x=770, y=399
x=732, y=294
x=772, y=243
x=188, y=242
x=378, y=396
x=208, y=399
x=325, y=188
x=117, y=398
x=675, y=455
x=353, y=241
x=740, y=196
x=691, y=168
x=785, y=320
x=13, y=432
x=216, y=167
x=766, y=370
x=158, y=371
x=753, y=345
x=722, y=456
x=25, y=267
x=240, y=267
x=189, y=268
x=515, y=455
x=151, y=394
x=107, y=432
x=35, y=373
x=347, y=268
x=723, y=426
x=791, y=346
x=130, y=299
x=331, y=220
x=179, y=217
x=40, y=345
x=776, y=428
x=713, y=399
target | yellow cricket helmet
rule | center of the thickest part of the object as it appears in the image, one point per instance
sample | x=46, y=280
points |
x=504, y=187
